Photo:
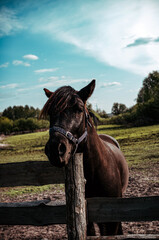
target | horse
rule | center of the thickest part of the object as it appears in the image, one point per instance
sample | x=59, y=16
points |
x=71, y=131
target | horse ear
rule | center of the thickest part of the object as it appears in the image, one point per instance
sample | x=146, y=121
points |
x=87, y=91
x=47, y=92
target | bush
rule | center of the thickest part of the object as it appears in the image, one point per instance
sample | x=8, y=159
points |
x=30, y=124
x=6, y=125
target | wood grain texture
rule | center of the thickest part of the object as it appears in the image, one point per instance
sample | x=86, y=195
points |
x=30, y=173
x=75, y=198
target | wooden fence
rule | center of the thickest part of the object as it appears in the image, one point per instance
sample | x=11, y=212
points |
x=73, y=213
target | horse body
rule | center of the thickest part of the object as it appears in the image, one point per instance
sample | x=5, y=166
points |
x=105, y=168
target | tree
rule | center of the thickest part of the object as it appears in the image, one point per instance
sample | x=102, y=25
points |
x=5, y=125
x=17, y=112
x=118, y=108
x=148, y=98
x=150, y=88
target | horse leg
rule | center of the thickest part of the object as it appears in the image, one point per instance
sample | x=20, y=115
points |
x=108, y=229
x=90, y=229
x=120, y=230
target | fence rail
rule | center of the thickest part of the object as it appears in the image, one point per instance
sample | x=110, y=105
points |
x=39, y=213
x=30, y=173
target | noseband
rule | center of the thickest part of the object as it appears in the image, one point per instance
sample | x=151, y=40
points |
x=70, y=136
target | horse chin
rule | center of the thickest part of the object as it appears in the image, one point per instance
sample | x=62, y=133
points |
x=59, y=162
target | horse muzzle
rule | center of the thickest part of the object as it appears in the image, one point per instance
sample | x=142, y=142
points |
x=58, y=151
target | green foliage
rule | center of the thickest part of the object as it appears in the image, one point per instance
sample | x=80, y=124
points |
x=148, y=98
x=118, y=108
x=17, y=112
x=146, y=111
x=6, y=125
x=150, y=88
x=21, y=125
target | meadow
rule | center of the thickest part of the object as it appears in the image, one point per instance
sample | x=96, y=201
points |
x=140, y=146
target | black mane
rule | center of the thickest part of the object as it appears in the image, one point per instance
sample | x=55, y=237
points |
x=62, y=98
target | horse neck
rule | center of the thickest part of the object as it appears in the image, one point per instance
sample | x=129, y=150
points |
x=93, y=150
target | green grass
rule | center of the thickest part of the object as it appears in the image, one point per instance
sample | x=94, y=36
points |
x=140, y=146
x=33, y=190
x=26, y=147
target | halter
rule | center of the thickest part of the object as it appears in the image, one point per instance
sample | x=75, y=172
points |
x=70, y=136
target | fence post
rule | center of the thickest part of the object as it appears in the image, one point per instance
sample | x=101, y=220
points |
x=75, y=198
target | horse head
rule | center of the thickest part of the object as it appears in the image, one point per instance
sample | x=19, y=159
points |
x=66, y=108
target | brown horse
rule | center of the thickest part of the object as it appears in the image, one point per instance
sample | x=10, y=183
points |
x=72, y=130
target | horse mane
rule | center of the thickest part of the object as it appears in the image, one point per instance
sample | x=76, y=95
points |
x=61, y=99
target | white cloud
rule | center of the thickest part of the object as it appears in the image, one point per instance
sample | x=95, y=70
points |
x=11, y=86
x=4, y=65
x=111, y=84
x=60, y=81
x=9, y=22
x=42, y=79
x=103, y=32
x=106, y=30
x=46, y=70
x=19, y=62
x=30, y=57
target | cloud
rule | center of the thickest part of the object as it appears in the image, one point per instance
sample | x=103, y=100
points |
x=19, y=62
x=105, y=30
x=9, y=23
x=30, y=57
x=54, y=81
x=102, y=32
x=111, y=84
x=4, y=65
x=11, y=86
x=42, y=79
x=156, y=40
x=142, y=41
x=45, y=70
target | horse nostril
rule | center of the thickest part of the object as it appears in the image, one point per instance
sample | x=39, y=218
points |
x=62, y=149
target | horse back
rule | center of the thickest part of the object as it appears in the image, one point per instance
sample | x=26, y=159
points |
x=110, y=139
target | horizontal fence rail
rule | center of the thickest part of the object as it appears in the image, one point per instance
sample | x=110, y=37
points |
x=126, y=237
x=46, y=212
x=35, y=173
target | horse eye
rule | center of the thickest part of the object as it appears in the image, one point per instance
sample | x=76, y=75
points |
x=78, y=109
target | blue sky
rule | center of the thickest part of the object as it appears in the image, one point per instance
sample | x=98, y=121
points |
x=64, y=42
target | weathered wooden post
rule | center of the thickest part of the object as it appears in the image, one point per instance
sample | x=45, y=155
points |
x=75, y=198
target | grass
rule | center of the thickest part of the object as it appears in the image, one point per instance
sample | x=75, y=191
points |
x=140, y=146
x=26, y=190
x=26, y=147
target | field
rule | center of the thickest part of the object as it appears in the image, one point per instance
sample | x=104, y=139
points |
x=140, y=147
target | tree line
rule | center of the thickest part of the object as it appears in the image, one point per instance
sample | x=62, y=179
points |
x=21, y=119
x=146, y=109
x=144, y=112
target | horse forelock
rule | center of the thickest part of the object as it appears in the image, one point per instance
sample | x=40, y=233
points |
x=61, y=99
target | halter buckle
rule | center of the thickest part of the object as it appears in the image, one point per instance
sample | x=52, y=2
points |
x=69, y=135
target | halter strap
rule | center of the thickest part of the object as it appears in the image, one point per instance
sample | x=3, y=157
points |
x=70, y=136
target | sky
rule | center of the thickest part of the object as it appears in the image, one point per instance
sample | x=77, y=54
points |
x=52, y=43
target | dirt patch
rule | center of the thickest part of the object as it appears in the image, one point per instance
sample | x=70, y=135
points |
x=141, y=183
x=3, y=145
